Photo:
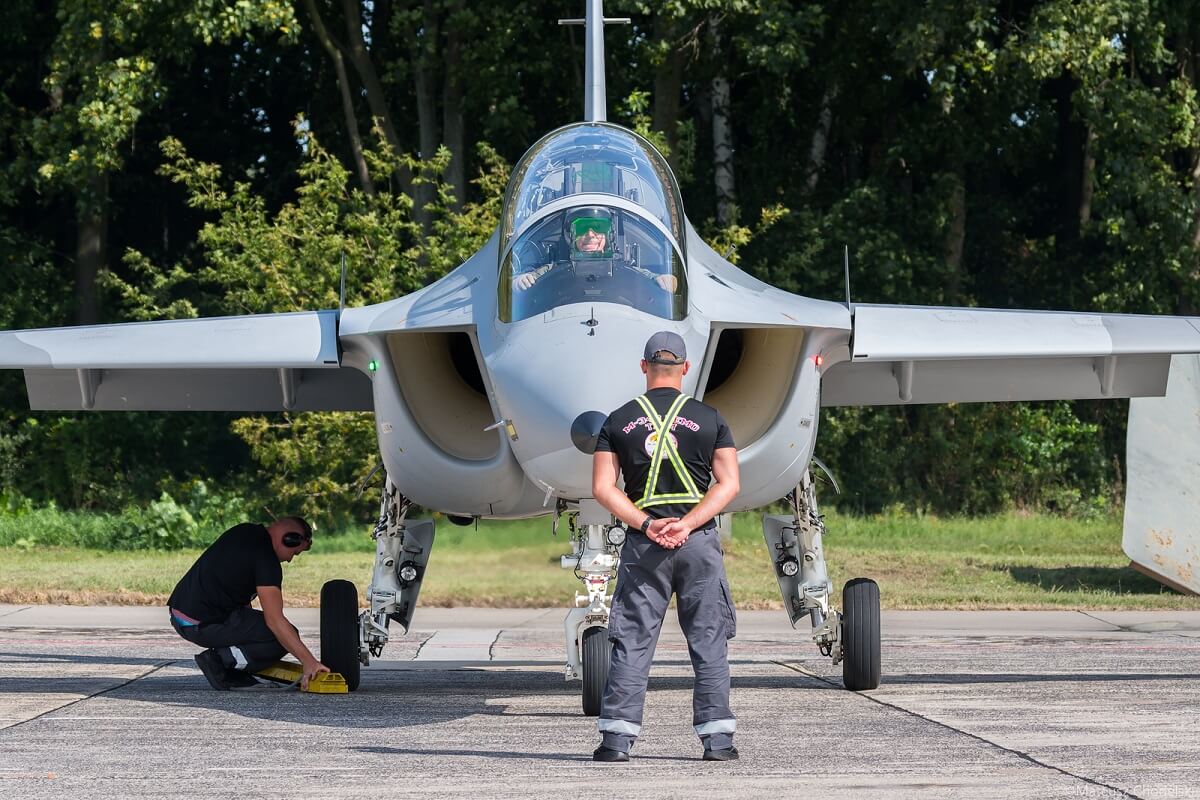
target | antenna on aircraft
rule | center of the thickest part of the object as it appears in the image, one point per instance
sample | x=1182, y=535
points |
x=594, y=102
x=342, y=288
x=846, y=255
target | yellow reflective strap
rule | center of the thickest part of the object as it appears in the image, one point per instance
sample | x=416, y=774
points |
x=656, y=456
x=664, y=446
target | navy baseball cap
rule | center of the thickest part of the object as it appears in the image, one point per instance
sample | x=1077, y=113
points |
x=667, y=343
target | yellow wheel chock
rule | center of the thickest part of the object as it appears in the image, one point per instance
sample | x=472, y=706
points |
x=290, y=672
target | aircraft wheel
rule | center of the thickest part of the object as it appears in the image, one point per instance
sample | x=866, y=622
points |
x=860, y=634
x=339, y=630
x=597, y=655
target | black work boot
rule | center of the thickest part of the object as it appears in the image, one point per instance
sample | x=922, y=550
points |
x=210, y=663
x=728, y=754
x=603, y=753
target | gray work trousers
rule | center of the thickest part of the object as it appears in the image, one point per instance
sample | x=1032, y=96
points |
x=243, y=640
x=648, y=576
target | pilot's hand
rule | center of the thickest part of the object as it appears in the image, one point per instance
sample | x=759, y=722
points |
x=311, y=670
x=524, y=281
x=668, y=283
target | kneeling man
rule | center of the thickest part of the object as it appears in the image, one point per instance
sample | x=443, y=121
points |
x=210, y=606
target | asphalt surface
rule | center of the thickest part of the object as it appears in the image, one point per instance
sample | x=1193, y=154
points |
x=106, y=702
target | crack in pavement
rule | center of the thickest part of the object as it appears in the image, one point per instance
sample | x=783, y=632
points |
x=492, y=646
x=122, y=685
x=421, y=646
x=1174, y=631
x=1011, y=751
x=15, y=611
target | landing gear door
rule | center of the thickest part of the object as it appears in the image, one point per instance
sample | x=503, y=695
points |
x=414, y=555
x=782, y=546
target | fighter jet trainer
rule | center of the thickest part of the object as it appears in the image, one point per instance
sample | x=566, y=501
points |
x=489, y=386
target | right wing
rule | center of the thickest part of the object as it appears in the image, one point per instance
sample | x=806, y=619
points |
x=260, y=362
x=915, y=354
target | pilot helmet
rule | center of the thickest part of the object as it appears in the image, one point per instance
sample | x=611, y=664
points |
x=589, y=232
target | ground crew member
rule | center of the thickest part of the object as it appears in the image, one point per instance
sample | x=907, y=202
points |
x=210, y=606
x=668, y=446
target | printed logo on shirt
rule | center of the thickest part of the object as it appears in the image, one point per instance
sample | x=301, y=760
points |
x=652, y=442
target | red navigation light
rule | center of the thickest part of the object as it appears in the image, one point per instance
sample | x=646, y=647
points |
x=818, y=360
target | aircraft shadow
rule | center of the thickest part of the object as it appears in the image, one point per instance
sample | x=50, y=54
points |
x=1118, y=580
x=390, y=700
x=917, y=679
x=78, y=658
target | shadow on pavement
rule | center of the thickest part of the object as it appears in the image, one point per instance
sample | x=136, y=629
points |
x=1118, y=580
x=576, y=757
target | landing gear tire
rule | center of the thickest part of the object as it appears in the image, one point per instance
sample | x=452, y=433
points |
x=597, y=655
x=860, y=635
x=339, y=630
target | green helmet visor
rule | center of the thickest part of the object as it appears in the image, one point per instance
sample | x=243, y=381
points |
x=591, y=237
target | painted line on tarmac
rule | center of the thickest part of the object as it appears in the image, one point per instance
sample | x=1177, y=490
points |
x=121, y=685
x=1019, y=754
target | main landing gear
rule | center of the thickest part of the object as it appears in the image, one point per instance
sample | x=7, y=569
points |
x=349, y=638
x=850, y=637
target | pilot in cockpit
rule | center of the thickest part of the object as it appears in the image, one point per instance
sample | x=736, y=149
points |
x=586, y=249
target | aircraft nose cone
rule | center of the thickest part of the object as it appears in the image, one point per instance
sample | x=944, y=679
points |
x=585, y=431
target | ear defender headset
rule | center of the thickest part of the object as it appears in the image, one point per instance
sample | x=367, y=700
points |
x=294, y=539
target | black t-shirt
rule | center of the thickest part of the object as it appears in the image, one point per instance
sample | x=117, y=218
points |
x=226, y=575
x=697, y=429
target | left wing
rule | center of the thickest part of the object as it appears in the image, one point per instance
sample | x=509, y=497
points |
x=261, y=362
x=915, y=354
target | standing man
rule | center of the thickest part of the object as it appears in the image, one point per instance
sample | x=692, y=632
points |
x=668, y=446
x=210, y=606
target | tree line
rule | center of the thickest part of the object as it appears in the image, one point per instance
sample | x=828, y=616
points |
x=198, y=157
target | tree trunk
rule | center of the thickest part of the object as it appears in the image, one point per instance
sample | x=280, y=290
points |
x=376, y=99
x=956, y=235
x=820, y=139
x=91, y=247
x=1070, y=158
x=343, y=80
x=723, y=153
x=1087, y=182
x=425, y=81
x=668, y=85
x=452, y=109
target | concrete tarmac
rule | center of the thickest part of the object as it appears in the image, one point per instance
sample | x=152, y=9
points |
x=107, y=702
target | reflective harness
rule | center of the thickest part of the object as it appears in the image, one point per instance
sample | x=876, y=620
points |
x=665, y=448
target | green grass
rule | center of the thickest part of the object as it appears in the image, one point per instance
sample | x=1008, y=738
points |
x=1006, y=561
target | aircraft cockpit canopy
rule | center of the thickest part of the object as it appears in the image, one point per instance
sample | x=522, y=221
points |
x=592, y=214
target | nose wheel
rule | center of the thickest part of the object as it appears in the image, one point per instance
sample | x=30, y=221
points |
x=597, y=655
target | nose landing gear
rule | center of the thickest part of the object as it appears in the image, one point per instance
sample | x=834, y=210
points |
x=851, y=637
x=594, y=557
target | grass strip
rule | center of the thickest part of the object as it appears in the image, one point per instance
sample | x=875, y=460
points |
x=1004, y=562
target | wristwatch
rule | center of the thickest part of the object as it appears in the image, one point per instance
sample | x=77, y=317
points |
x=646, y=523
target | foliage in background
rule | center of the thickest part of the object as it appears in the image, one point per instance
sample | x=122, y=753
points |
x=255, y=260
x=1036, y=155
